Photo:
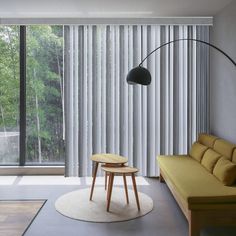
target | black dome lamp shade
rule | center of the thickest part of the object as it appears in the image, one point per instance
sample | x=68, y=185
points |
x=141, y=75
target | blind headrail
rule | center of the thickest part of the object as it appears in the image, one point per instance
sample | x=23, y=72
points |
x=208, y=21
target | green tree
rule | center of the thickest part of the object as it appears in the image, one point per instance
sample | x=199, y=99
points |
x=45, y=94
x=9, y=78
x=44, y=91
x=9, y=94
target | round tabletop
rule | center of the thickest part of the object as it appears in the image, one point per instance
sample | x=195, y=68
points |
x=120, y=170
x=109, y=158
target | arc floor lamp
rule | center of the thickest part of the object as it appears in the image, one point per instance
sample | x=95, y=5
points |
x=141, y=75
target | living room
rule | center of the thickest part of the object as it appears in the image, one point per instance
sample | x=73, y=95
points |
x=118, y=118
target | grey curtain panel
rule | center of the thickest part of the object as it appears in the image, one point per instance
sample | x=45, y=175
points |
x=103, y=114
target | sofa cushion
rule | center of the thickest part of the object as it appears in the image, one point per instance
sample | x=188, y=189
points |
x=209, y=159
x=207, y=140
x=225, y=171
x=234, y=156
x=197, y=151
x=224, y=147
x=197, y=186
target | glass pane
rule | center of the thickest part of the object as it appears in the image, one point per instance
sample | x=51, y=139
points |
x=9, y=95
x=44, y=95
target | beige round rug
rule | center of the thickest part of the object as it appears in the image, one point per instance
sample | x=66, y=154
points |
x=76, y=205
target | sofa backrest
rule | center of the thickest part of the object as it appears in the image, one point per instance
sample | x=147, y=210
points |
x=223, y=147
x=234, y=156
x=218, y=158
x=207, y=140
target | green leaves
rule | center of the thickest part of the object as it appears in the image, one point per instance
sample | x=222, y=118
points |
x=9, y=77
x=43, y=88
x=44, y=103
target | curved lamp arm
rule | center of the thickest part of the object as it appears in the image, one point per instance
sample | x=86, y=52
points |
x=196, y=40
x=140, y=75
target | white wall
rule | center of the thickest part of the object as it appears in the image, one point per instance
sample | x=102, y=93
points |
x=223, y=75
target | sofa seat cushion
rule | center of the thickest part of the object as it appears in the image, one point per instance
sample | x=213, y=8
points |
x=197, y=186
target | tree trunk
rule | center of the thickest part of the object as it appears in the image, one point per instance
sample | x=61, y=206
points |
x=38, y=123
x=61, y=80
x=38, y=128
x=4, y=127
x=12, y=51
x=3, y=120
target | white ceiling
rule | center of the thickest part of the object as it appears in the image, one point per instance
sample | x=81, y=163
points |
x=110, y=8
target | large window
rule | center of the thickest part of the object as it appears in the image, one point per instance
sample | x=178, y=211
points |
x=44, y=94
x=9, y=94
x=43, y=88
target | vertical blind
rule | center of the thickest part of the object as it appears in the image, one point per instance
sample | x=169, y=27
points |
x=103, y=114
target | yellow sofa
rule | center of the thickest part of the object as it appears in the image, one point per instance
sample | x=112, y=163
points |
x=203, y=182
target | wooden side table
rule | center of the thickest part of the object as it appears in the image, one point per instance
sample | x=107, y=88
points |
x=125, y=170
x=107, y=159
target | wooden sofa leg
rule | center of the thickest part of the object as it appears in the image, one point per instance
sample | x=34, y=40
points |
x=194, y=228
x=161, y=179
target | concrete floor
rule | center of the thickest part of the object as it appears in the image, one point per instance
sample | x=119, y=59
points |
x=166, y=219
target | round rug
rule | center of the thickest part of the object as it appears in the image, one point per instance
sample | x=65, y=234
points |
x=76, y=205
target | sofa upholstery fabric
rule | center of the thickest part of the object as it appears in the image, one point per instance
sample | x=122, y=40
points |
x=197, y=151
x=225, y=171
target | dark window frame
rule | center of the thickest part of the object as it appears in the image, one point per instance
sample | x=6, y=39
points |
x=22, y=95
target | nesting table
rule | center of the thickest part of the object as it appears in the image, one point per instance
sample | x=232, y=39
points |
x=124, y=170
x=107, y=159
x=113, y=165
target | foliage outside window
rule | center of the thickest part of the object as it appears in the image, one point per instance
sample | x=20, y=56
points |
x=44, y=95
x=9, y=94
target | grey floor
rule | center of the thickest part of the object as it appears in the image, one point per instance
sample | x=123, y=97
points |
x=166, y=219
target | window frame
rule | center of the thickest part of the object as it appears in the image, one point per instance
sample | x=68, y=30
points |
x=22, y=114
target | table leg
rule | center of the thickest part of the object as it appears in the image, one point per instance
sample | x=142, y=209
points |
x=94, y=178
x=126, y=190
x=105, y=180
x=109, y=183
x=111, y=178
x=135, y=190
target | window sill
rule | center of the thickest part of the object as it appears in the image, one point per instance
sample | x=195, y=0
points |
x=32, y=170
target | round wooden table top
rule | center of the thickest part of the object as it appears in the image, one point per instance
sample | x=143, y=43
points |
x=120, y=170
x=109, y=158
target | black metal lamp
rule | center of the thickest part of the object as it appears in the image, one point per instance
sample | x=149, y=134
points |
x=141, y=75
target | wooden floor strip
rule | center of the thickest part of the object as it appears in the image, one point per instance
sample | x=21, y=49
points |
x=17, y=215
